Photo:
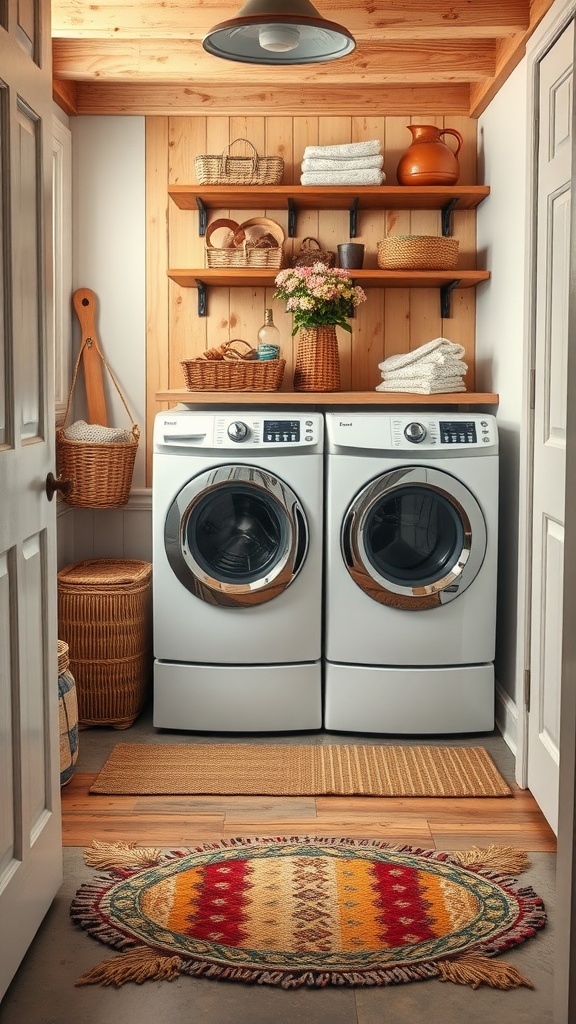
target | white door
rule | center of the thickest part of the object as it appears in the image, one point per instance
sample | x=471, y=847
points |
x=552, y=266
x=30, y=834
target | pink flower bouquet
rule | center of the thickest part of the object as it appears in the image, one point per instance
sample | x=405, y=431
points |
x=318, y=296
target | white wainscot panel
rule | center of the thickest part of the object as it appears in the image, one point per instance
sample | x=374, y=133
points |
x=7, y=802
x=34, y=680
x=557, y=319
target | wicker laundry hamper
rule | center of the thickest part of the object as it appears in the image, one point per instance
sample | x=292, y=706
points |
x=104, y=615
x=67, y=715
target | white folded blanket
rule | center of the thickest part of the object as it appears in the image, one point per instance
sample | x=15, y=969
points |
x=367, y=176
x=94, y=433
x=369, y=148
x=443, y=386
x=436, y=351
x=352, y=164
x=449, y=368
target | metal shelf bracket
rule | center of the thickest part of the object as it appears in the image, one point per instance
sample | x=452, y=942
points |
x=447, y=216
x=203, y=217
x=354, y=217
x=201, y=297
x=445, y=294
x=291, y=217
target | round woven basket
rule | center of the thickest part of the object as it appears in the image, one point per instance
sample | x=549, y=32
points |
x=417, y=252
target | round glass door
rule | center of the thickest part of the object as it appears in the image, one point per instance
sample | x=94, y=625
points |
x=236, y=536
x=414, y=538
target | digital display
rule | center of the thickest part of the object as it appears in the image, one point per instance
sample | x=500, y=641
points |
x=457, y=432
x=281, y=431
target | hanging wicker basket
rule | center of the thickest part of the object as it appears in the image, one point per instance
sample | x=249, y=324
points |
x=417, y=252
x=311, y=252
x=100, y=472
x=250, y=169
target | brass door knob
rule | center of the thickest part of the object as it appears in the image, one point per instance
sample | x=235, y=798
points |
x=56, y=483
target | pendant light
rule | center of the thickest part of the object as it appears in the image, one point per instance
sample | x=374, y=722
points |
x=278, y=32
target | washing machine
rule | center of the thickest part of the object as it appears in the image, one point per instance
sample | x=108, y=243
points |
x=411, y=548
x=237, y=499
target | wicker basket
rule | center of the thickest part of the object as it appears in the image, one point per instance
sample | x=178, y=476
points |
x=311, y=252
x=226, y=169
x=256, y=243
x=417, y=252
x=240, y=375
x=317, y=360
x=104, y=615
x=100, y=473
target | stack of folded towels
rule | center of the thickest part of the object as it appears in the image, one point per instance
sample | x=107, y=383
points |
x=356, y=163
x=434, y=368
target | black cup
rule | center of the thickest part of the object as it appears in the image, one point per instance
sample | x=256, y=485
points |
x=351, y=255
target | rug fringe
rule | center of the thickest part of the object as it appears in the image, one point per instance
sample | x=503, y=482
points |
x=140, y=964
x=503, y=858
x=109, y=856
x=474, y=969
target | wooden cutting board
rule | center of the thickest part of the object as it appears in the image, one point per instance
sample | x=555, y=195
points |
x=85, y=305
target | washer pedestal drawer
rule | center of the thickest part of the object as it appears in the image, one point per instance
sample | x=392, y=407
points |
x=231, y=698
x=409, y=701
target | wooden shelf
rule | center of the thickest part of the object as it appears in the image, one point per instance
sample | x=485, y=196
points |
x=240, y=277
x=347, y=398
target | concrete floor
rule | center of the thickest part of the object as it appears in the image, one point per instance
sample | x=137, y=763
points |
x=44, y=992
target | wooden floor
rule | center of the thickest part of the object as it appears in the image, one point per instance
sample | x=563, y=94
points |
x=432, y=823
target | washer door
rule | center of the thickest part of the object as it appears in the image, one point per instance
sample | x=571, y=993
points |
x=236, y=536
x=414, y=538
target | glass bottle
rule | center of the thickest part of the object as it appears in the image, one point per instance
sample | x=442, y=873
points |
x=268, y=338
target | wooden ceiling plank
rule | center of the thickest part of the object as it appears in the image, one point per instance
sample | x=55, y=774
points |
x=103, y=98
x=65, y=94
x=367, y=20
x=177, y=60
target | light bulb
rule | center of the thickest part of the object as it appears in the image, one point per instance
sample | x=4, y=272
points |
x=278, y=38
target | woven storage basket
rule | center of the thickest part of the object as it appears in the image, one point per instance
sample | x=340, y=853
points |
x=256, y=243
x=100, y=473
x=249, y=169
x=104, y=615
x=417, y=252
x=311, y=252
x=317, y=360
x=243, y=375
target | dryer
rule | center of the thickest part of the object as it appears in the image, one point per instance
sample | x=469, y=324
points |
x=237, y=503
x=411, y=549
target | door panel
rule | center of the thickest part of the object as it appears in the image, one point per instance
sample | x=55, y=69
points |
x=552, y=269
x=30, y=834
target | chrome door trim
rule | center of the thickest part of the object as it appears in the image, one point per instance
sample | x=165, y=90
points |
x=461, y=573
x=195, y=578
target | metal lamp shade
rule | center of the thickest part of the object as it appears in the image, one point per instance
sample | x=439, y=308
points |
x=278, y=32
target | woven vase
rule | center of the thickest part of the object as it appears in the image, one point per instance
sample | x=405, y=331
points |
x=317, y=360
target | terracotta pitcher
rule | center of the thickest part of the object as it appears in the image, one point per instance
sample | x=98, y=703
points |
x=428, y=160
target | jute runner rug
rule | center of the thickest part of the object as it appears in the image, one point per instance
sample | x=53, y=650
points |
x=299, y=770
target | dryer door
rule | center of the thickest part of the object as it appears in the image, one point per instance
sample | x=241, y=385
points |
x=414, y=538
x=236, y=536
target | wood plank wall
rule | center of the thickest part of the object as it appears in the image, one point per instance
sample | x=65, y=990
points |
x=390, y=321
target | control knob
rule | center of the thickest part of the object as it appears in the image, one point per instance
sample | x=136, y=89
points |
x=415, y=432
x=237, y=431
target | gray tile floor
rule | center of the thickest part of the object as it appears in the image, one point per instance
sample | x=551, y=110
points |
x=44, y=992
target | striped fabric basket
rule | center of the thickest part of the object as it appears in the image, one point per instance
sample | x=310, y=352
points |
x=67, y=715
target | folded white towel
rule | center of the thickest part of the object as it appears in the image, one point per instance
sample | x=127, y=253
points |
x=444, y=386
x=369, y=148
x=435, y=351
x=352, y=164
x=429, y=371
x=368, y=176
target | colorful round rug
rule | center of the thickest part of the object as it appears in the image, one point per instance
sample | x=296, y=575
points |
x=307, y=911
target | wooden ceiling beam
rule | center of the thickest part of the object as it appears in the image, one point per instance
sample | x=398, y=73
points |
x=185, y=60
x=368, y=20
x=104, y=98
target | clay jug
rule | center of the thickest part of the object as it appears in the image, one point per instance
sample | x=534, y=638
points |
x=428, y=160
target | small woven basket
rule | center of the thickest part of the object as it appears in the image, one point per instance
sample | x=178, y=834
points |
x=240, y=375
x=417, y=252
x=317, y=360
x=104, y=615
x=311, y=252
x=256, y=243
x=250, y=169
x=100, y=473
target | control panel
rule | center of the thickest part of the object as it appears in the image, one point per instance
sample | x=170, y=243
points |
x=472, y=431
x=267, y=432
